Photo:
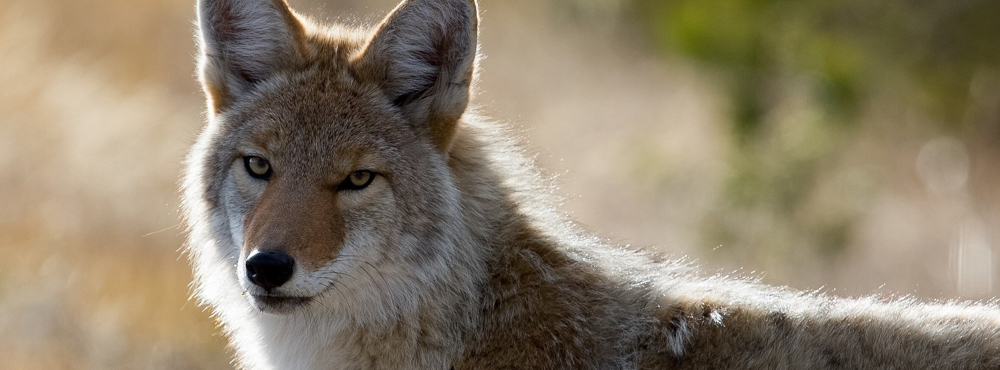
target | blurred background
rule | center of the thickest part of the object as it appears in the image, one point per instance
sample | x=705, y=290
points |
x=847, y=146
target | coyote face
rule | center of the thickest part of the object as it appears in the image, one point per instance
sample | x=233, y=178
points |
x=319, y=190
x=324, y=162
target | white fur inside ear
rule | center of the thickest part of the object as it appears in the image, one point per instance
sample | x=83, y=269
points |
x=423, y=55
x=421, y=40
x=248, y=38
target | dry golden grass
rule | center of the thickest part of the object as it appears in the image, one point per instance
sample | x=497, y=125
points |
x=99, y=104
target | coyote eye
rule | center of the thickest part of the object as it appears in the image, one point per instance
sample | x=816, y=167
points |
x=358, y=180
x=257, y=167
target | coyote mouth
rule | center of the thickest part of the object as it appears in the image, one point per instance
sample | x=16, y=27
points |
x=278, y=304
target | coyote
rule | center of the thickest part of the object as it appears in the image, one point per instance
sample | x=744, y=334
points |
x=347, y=210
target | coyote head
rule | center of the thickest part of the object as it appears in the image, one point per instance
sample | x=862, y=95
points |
x=323, y=169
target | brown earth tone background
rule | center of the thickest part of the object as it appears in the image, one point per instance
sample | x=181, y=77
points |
x=98, y=104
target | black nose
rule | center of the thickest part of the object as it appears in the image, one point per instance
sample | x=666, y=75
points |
x=270, y=268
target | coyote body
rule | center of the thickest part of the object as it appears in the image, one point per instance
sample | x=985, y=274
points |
x=348, y=211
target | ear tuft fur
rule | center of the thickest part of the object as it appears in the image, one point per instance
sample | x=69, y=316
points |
x=242, y=43
x=423, y=55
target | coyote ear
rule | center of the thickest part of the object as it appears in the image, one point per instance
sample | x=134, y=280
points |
x=242, y=43
x=423, y=55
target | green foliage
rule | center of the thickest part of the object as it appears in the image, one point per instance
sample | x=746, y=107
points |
x=847, y=46
x=829, y=58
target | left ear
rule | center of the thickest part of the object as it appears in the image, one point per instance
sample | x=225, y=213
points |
x=424, y=55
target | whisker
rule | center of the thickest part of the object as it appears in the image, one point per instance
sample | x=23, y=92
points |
x=377, y=271
x=370, y=275
x=176, y=226
x=342, y=296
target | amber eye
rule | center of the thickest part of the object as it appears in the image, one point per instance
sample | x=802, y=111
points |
x=357, y=180
x=257, y=167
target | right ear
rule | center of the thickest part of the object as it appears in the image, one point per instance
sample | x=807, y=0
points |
x=242, y=43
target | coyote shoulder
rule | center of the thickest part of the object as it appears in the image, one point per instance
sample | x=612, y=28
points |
x=347, y=210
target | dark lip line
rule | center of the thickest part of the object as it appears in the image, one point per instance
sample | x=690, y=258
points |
x=271, y=299
x=270, y=295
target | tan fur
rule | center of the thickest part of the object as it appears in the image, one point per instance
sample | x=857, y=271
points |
x=453, y=257
x=303, y=221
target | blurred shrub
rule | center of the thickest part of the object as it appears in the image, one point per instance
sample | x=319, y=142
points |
x=804, y=80
x=848, y=47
